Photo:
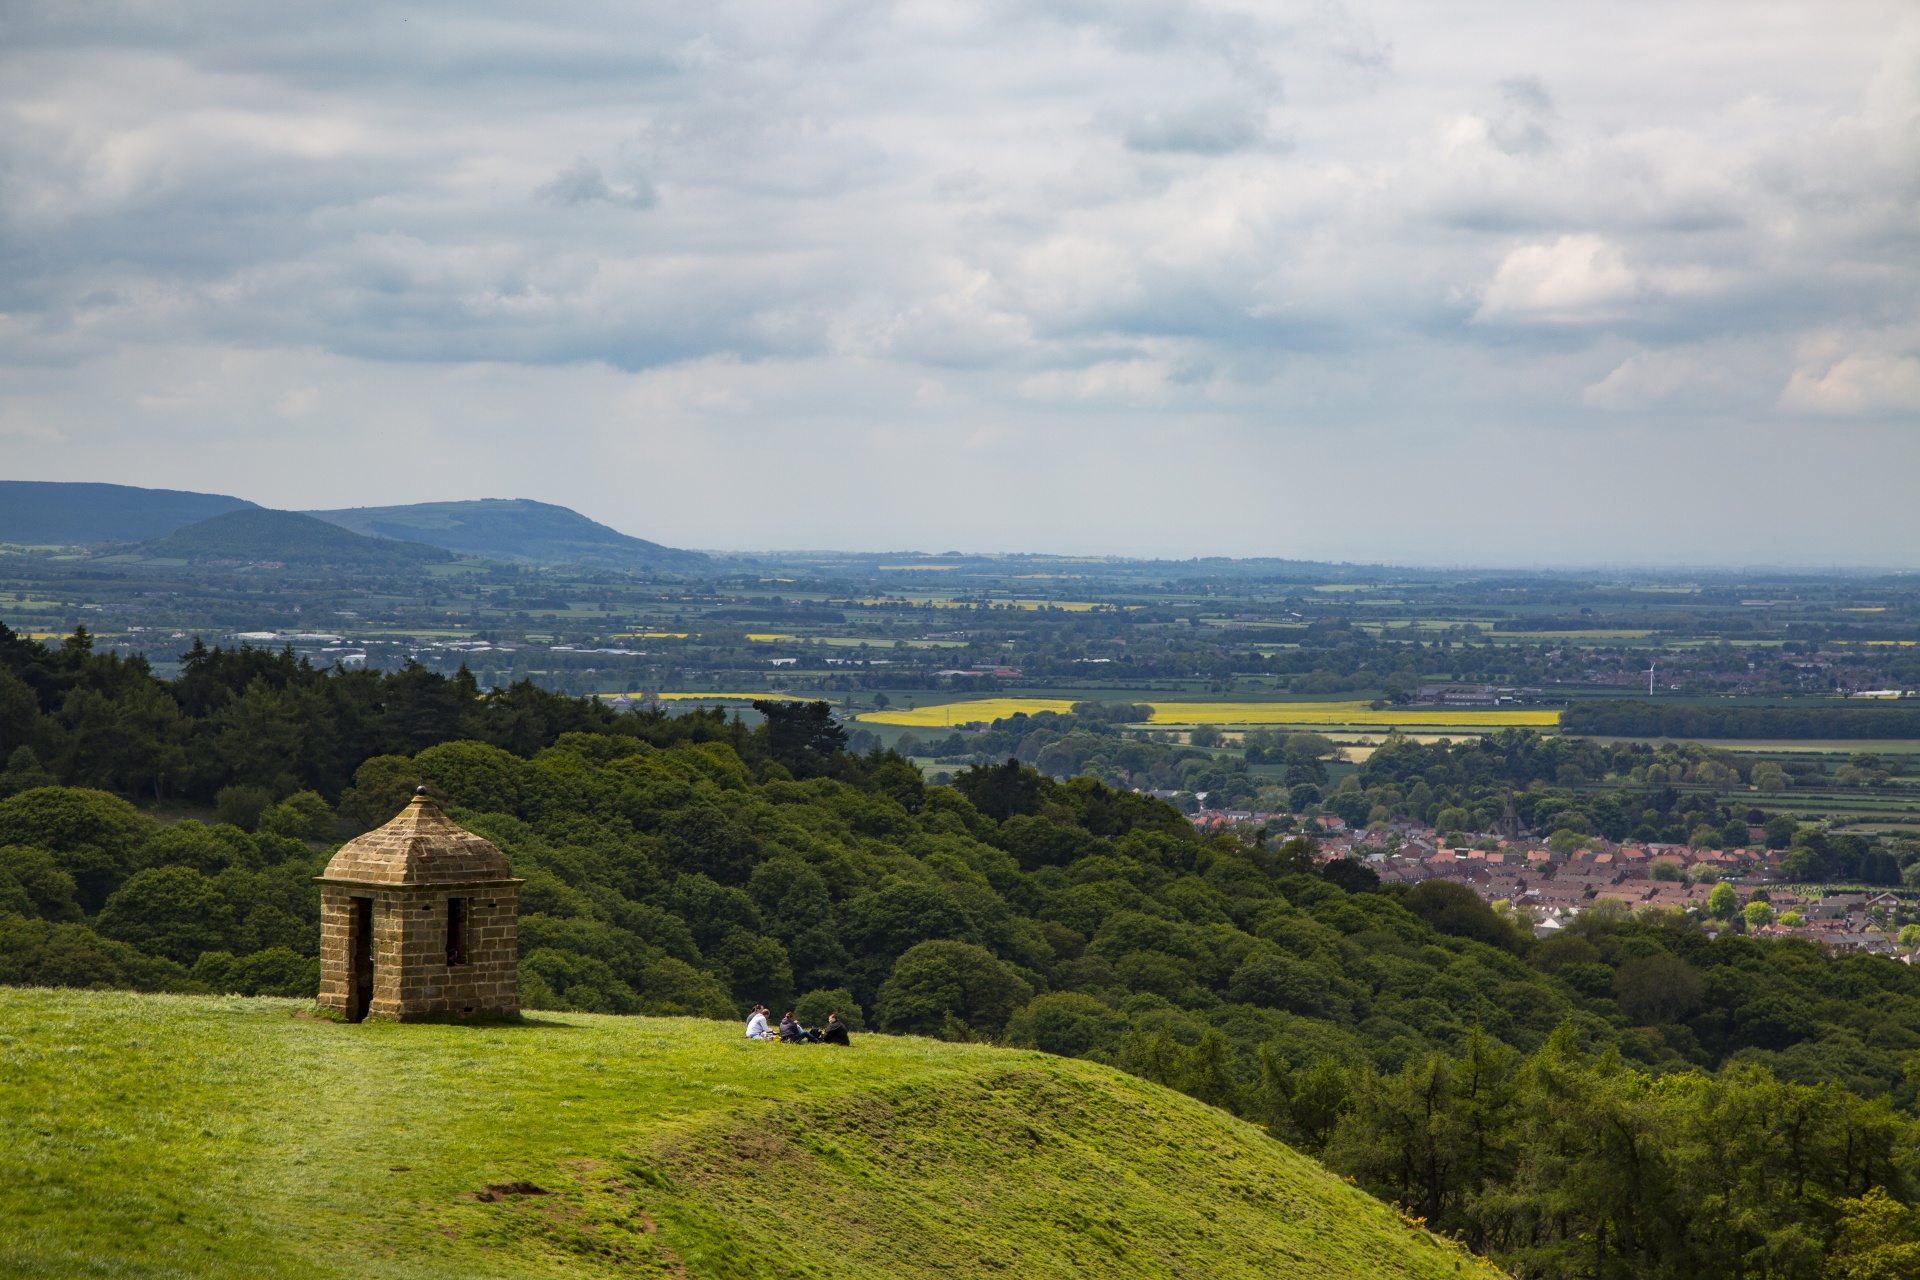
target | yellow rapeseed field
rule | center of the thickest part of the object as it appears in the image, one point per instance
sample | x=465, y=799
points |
x=1230, y=713
x=988, y=709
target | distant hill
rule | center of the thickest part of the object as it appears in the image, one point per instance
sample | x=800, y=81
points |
x=222, y=1136
x=286, y=537
x=516, y=529
x=38, y=513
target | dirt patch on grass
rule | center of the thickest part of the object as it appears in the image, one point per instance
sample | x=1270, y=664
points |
x=501, y=1190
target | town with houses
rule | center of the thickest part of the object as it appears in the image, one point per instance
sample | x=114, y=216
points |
x=1515, y=872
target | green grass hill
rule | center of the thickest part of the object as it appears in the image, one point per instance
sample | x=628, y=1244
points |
x=259, y=535
x=149, y=1136
x=516, y=529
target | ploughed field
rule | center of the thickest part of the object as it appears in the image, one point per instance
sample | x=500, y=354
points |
x=221, y=1136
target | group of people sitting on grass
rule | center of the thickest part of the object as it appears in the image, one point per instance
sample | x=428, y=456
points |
x=791, y=1032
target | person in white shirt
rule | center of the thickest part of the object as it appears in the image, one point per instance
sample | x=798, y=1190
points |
x=757, y=1028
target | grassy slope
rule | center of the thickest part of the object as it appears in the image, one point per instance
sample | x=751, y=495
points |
x=163, y=1135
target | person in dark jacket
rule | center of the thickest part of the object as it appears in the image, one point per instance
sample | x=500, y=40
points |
x=790, y=1029
x=836, y=1032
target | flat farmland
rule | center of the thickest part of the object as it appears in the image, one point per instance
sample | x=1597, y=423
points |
x=1778, y=746
x=1349, y=713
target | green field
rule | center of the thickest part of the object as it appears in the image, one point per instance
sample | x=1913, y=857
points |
x=205, y=1136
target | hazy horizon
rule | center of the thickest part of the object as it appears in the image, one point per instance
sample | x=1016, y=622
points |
x=1489, y=286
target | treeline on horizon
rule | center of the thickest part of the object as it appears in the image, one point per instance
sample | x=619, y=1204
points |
x=258, y=720
x=1622, y=719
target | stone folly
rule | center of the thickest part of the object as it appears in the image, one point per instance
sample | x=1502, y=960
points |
x=418, y=920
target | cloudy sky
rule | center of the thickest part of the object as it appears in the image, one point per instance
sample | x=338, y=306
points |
x=1467, y=282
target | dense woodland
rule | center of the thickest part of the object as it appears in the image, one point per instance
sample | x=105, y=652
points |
x=1630, y=1098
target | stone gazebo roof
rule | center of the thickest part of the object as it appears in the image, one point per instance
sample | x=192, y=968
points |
x=421, y=846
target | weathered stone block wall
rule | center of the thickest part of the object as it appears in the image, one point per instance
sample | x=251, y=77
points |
x=411, y=976
x=336, y=941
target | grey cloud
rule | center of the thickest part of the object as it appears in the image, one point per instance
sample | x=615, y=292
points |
x=1525, y=93
x=1043, y=208
x=582, y=183
x=1201, y=128
x=1520, y=128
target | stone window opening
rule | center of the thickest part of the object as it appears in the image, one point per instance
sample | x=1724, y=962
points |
x=457, y=932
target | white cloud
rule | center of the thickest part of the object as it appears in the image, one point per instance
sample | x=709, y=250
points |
x=1576, y=277
x=1122, y=380
x=1722, y=379
x=1642, y=379
x=1855, y=383
x=297, y=402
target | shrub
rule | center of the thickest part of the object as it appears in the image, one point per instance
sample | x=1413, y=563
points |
x=1353, y=807
x=670, y=988
x=474, y=775
x=37, y=953
x=242, y=806
x=1069, y=1024
x=173, y=912
x=1350, y=874
x=1660, y=989
x=1457, y=910
x=273, y=972
x=382, y=787
x=1272, y=979
x=14, y=899
x=93, y=835
x=901, y=915
x=23, y=771
x=305, y=815
x=754, y=967
x=711, y=909
x=812, y=1008
x=44, y=889
x=554, y=979
x=1565, y=841
x=938, y=981
x=194, y=844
